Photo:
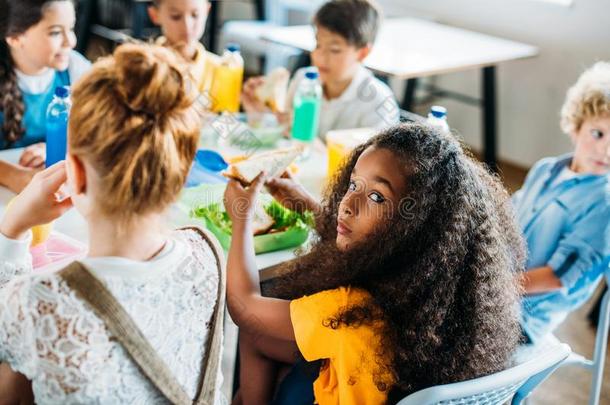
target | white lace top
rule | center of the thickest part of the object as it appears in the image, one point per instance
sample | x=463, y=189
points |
x=56, y=341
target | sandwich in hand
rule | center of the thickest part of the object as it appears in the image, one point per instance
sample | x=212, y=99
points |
x=273, y=162
x=272, y=92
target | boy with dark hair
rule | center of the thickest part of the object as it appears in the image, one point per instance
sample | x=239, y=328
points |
x=352, y=97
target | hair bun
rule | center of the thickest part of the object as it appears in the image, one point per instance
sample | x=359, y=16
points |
x=150, y=80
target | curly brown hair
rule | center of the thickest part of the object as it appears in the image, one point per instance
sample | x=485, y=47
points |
x=441, y=271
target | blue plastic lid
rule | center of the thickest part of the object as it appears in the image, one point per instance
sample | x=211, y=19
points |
x=438, y=111
x=233, y=47
x=311, y=75
x=211, y=160
x=62, y=91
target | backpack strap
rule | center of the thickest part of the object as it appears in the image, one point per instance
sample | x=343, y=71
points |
x=124, y=329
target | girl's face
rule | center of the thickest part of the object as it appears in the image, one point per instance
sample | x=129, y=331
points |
x=377, y=185
x=336, y=59
x=48, y=43
x=182, y=21
x=592, y=146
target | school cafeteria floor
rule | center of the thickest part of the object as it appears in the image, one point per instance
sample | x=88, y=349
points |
x=568, y=386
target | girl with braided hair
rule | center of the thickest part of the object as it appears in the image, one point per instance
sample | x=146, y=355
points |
x=36, y=56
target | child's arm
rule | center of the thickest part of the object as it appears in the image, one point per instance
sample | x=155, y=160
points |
x=34, y=156
x=15, y=388
x=291, y=194
x=250, y=310
x=36, y=204
x=578, y=254
x=285, y=120
x=14, y=177
x=539, y=280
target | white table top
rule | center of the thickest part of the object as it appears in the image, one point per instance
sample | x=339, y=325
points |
x=408, y=47
x=312, y=173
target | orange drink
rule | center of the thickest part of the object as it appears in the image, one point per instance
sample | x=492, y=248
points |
x=340, y=143
x=228, y=78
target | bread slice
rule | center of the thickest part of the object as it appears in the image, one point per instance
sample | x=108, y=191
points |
x=262, y=222
x=273, y=162
x=273, y=90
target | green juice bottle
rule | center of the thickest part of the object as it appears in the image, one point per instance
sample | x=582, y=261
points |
x=306, y=110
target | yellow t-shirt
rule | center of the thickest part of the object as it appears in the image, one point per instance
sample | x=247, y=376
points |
x=202, y=67
x=347, y=375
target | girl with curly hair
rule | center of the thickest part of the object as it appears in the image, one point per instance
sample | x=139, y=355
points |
x=410, y=282
x=36, y=56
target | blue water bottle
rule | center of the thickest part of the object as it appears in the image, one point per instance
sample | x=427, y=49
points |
x=57, y=125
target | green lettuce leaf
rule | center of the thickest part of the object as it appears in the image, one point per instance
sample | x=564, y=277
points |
x=283, y=217
x=216, y=215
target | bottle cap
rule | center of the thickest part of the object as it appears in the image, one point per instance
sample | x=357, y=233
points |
x=232, y=47
x=438, y=111
x=62, y=91
x=311, y=74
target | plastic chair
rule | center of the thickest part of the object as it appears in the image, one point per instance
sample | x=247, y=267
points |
x=596, y=364
x=515, y=383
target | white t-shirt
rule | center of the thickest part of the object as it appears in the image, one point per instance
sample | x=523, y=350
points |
x=366, y=103
x=39, y=84
x=55, y=339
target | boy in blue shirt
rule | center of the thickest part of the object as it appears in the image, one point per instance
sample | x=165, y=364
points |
x=564, y=210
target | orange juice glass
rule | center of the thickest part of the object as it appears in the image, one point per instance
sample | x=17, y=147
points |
x=228, y=78
x=226, y=89
x=340, y=143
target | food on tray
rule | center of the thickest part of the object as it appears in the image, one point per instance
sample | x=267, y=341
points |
x=270, y=218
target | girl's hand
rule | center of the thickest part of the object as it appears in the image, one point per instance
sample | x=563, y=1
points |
x=40, y=202
x=240, y=202
x=250, y=102
x=291, y=194
x=18, y=177
x=34, y=156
